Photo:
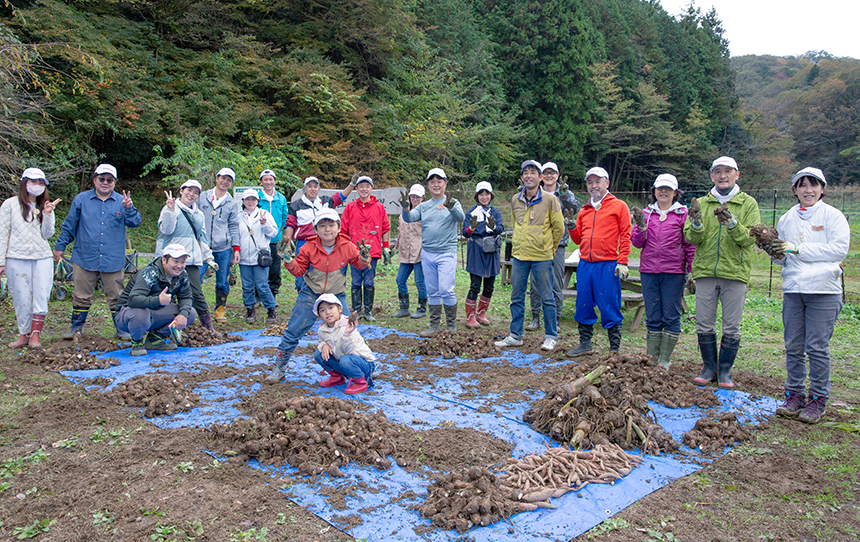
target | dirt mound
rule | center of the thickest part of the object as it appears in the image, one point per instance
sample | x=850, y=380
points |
x=449, y=447
x=463, y=343
x=197, y=336
x=275, y=330
x=713, y=435
x=160, y=395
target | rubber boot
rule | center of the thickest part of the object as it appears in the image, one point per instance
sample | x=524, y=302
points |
x=653, y=340
x=271, y=317
x=534, y=325
x=79, y=318
x=728, y=353
x=356, y=301
x=708, y=348
x=277, y=374
x=451, y=317
x=614, y=334
x=435, y=319
x=585, y=333
x=667, y=346
x=220, y=306
x=356, y=385
x=404, y=306
x=421, y=311
x=206, y=320
x=369, y=294
x=471, y=309
x=22, y=340
x=334, y=379
x=251, y=314
x=481, y=313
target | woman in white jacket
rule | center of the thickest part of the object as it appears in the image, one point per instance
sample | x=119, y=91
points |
x=814, y=238
x=26, y=224
x=256, y=229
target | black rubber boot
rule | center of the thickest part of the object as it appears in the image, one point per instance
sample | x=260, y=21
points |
x=435, y=320
x=614, y=338
x=585, y=333
x=356, y=301
x=369, y=294
x=421, y=311
x=79, y=318
x=404, y=306
x=206, y=320
x=708, y=348
x=451, y=317
x=728, y=353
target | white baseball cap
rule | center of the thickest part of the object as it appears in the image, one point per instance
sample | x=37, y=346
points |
x=417, y=190
x=327, y=298
x=106, y=168
x=438, y=172
x=34, y=173
x=268, y=172
x=191, y=183
x=599, y=171
x=227, y=172
x=326, y=214
x=806, y=172
x=533, y=163
x=250, y=193
x=549, y=165
x=483, y=185
x=727, y=161
x=364, y=179
x=312, y=179
x=666, y=179
x=174, y=250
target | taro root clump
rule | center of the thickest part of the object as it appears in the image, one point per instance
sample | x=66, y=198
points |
x=767, y=239
x=463, y=343
x=67, y=359
x=713, y=435
x=159, y=395
x=198, y=336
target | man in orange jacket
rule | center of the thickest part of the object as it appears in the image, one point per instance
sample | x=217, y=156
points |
x=603, y=234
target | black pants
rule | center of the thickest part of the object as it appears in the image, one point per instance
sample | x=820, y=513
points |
x=475, y=286
x=197, y=297
x=275, y=269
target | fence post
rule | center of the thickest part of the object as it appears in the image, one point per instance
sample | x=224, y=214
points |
x=772, y=224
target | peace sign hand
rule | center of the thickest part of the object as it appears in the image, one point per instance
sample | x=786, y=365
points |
x=49, y=206
x=126, y=199
x=171, y=201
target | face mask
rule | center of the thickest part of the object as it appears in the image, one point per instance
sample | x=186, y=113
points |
x=35, y=189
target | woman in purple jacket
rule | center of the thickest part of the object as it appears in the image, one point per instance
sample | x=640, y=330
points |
x=664, y=265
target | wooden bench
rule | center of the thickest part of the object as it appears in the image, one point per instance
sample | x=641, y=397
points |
x=631, y=300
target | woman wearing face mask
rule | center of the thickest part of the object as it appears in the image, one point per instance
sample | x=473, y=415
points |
x=26, y=224
x=181, y=221
x=256, y=229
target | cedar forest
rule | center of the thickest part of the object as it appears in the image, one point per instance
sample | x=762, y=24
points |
x=174, y=89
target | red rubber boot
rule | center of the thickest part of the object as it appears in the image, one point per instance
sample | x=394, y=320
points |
x=356, y=385
x=335, y=379
x=471, y=308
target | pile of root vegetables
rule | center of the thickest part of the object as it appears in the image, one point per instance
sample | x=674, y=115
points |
x=275, y=330
x=463, y=343
x=159, y=395
x=314, y=434
x=67, y=359
x=580, y=414
x=199, y=336
x=712, y=435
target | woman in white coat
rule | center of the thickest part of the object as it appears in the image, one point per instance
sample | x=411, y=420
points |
x=256, y=229
x=814, y=239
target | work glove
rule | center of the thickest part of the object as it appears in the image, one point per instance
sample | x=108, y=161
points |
x=176, y=335
x=691, y=283
x=725, y=217
x=363, y=250
x=563, y=188
x=491, y=223
x=621, y=271
x=695, y=215
x=354, y=180
x=639, y=218
x=289, y=252
x=211, y=263
x=473, y=222
x=449, y=202
x=404, y=200
x=386, y=256
x=569, y=219
x=790, y=248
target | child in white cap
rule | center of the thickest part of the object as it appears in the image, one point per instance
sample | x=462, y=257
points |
x=342, y=352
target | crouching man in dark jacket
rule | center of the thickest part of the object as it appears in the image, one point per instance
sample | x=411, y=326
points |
x=155, y=300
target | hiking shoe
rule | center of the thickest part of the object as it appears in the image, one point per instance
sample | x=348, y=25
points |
x=509, y=341
x=793, y=405
x=534, y=324
x=154, y=341
x=275, y=376
x=548, y=344
x=814, y=409
x=137, y=349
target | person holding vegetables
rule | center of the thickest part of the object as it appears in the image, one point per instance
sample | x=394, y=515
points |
x=483, y=228
x=257, y=227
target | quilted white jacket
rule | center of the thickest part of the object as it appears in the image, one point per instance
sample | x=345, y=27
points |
x=24, y=240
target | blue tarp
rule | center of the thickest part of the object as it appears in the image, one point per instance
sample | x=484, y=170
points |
x=385, y=516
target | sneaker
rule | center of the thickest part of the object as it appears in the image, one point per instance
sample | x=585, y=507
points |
x=793, y=405
x=509, y=341
x=548, y=344
x=154, y=341
x=137, y=349
x=814, y=409
x=275, y=376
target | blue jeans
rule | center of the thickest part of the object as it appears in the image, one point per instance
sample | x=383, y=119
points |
x=542, y=273
x=597, y=285
x=302, y=319
x=349, y=365
x=364, y=277
x=256, y=276
x=403, y=273
x=663, y=293
x=300, y=281
x=222, y=276
x=808, y=320
x=439, y=271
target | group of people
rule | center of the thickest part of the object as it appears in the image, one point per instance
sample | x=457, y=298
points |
x=705, y=249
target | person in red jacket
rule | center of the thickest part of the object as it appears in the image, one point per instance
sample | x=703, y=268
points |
x=320, y=261
x=365, y=221
x=603, y=234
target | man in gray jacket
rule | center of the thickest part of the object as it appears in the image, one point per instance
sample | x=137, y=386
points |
x=222, y=224
x=569, y=205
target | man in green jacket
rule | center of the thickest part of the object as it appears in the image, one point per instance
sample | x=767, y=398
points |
x=719, y=225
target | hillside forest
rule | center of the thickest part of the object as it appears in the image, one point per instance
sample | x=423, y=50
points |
x=174, y=89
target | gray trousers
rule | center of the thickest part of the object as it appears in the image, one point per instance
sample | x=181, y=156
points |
x=557, y=286
x=138, y=322
x=731, y=294
x=808, y=320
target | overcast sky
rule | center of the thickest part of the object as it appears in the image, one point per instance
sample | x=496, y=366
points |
x=784, y=28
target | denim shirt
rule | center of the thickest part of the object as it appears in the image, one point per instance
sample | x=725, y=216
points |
x=98, y=229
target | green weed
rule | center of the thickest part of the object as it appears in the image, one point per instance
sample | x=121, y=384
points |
x=250, y=534
x=102, y=518
x=609, y=525
x=185, y=467
x=34, y=530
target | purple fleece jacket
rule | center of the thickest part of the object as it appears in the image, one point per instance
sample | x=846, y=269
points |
x=664, y=248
